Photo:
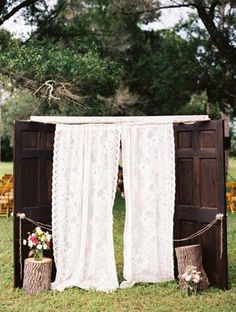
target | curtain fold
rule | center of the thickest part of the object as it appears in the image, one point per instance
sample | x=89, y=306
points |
x=85, y=167
x=148, y=155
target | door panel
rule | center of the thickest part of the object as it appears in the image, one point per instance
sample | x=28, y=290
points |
x=33, y=182
x=200, y=193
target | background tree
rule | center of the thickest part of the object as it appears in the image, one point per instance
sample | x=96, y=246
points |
x=35, y=11
x=218, y=17
x=93, y=57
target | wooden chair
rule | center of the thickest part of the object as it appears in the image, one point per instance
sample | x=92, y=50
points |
x=231, y=196
x=6, y=195
x=7, y=176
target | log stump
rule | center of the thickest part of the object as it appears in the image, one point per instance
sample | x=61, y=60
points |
x=190, y=255
x=37, y=275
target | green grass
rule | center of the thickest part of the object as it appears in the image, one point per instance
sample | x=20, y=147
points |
x=144, y=297
x=232, y=168
x=6, y=167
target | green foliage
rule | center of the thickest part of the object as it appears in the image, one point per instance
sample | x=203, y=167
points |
x=44, y=60
x=20, y=106
x=142, y=297
x=199, y=105
x=215, y=75
x=233, y=142
x=98, y=48
x=80, y=73
x=6, y=149
x=162, y=69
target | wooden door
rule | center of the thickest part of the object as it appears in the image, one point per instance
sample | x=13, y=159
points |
x=200, y=193
x=33, y=179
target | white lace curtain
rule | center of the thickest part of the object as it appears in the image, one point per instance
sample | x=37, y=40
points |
x=148, y=156
x=85, y=168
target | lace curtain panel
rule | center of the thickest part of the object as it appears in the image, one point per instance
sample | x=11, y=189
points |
x=85, y=169
x=148, y=155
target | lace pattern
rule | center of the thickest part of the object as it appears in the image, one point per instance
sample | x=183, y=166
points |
x=85, y=168
x=148, y=155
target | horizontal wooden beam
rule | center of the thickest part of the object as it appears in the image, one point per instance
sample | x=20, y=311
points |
x=115, y=120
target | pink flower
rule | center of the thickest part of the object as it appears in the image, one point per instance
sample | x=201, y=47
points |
x=34, y=240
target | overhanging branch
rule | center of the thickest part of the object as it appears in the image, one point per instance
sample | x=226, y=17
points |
x=17, y=8
x=156, y=9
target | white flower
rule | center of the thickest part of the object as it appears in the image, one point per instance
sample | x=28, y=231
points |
x=188, y=278
x=38, y=230
x=24, y=242
x=39, y=246
x=184, y=275
x=196, y=279
x=30, y=244
x=45, y=246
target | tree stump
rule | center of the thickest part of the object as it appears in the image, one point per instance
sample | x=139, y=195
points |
x=37, y=275
x=191, y=256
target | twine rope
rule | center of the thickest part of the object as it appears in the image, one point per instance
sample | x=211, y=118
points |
x=20, y=248
x=218, y=217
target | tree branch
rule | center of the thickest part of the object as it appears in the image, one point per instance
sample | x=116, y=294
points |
x=164, y=7
x=22, y=5
x=212, y=9
x=218, y=38
x=44, y=23
x=206, y=14
x=2, y=5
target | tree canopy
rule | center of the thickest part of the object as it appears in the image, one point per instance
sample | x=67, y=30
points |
x=93, y=57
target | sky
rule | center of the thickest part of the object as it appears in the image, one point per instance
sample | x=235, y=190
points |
x=17, y=26
x=169, y=18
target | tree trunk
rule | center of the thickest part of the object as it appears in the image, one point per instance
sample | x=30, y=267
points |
x=37, y=275
x=190, y=256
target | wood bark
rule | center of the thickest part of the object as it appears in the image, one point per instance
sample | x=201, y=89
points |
x=190, y=256
x=37, y=275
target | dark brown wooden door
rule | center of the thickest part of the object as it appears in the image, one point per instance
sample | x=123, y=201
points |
x=33, y=179
x=200, y=193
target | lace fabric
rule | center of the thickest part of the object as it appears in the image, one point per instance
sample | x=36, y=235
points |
x=148, y=155
x=85, y=169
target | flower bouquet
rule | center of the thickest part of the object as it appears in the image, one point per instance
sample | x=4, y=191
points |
x=38, y=241
x=192, y=277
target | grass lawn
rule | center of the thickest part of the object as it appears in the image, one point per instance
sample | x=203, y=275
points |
x=6, y=167
x=143, y=297
x=232, y=167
